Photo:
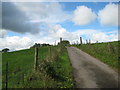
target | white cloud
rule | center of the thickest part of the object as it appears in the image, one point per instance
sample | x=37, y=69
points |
x=54, y=33
x=83, y=15
x=43, y=12
x=95, y=35
x=15, y=42
x=15, y=20
x=44, y=16
x=100, y=36
x=28, y=17
x=109, y=15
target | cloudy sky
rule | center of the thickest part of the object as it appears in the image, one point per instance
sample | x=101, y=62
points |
x=26, y=23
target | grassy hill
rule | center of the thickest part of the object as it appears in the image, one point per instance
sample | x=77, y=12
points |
x=54, y=69
x=106, y=52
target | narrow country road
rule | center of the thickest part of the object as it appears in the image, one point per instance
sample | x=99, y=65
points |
x=90, y=72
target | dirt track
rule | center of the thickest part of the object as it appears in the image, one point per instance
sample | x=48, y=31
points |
x=90, y=72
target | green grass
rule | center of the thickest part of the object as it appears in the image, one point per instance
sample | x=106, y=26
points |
x=19, y=63
x=61, y=71
x=104, y=52
x=54, y=71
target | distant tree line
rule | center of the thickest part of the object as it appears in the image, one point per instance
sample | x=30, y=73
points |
x=40, y=45
x=5, y=50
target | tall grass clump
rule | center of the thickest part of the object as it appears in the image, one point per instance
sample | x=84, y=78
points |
x=55, y=71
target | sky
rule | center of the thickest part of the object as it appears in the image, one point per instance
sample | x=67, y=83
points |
x=26, y=23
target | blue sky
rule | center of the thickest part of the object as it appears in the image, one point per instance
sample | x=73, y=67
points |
x=47, y=22
x=69, y=7
x=95, y=6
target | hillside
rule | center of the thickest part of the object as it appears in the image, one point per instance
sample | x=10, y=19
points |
x=54, y=70
x=50, y=74
x=106, y=52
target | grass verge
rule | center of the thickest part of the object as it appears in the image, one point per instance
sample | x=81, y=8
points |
x=106, y=52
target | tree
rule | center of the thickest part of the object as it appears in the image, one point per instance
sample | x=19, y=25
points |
x=5, y=50
x=65, y=43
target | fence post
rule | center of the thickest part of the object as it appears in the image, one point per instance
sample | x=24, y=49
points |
x=86, y=41
x=80, y=40
x=89, y=41
x=6, y=75
x=50, y=52
x=36, y=58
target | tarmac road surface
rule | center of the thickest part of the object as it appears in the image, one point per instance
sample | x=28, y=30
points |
x=90, y=72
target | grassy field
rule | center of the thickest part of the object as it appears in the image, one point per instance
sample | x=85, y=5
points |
x=54, y=69
x=106, y=52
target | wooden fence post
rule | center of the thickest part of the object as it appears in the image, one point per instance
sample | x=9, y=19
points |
x=6, y=75
x=36, y=58
x=89, y=41
x=86, y=41
x=50, y=52
x=80, y=40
